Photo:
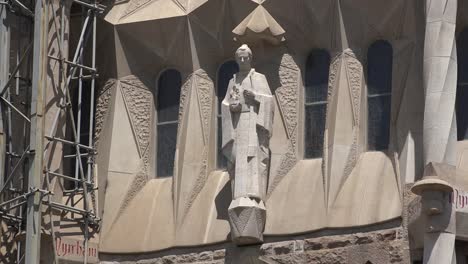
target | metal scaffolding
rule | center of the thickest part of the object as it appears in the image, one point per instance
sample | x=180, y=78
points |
x=27, y=181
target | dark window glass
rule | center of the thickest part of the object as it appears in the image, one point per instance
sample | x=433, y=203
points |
x=379, y=94
x=167, y=105
x=462, y=86
x=226, y=72
x=81, y=111
x=316, y=90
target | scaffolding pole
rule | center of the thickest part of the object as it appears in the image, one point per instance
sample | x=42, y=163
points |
x=4, y=71
x=22, y=204
x=36, y=139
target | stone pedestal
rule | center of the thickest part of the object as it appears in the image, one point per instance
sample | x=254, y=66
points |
x=439, y=217
x=247, y=219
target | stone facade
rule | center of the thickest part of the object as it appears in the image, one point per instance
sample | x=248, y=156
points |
x=185, y=218
x=377, y=247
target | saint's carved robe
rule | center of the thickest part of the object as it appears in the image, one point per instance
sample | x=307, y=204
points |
x=246, y=135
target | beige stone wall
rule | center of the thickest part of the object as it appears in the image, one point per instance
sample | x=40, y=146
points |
x=378, y=247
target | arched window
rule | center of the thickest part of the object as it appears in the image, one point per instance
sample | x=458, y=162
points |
x=225, y=73
x=462, y=86
x=379, y=94
x=315, y=102
x=167, y=107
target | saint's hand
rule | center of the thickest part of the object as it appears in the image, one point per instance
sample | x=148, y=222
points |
x=235, y=107
x=249, y=95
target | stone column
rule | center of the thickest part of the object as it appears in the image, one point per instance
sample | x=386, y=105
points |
x=440, y=81
x=439, y=136
x=439, y=218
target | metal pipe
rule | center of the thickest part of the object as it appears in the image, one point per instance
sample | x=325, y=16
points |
x=25, y=9
x=91, y=124
x=16, y=206
x=69, y=142
x=78, y=109
x=74, y=64
x=92, y=6
x=68, y=177
x=91, y=104
x=12, y=173
x=67, y=208
x=10, y=217
x=73, y=70
x=4, y=70
x=10, y=105
x=12, y=200
x=81, y=155
x=13, y=73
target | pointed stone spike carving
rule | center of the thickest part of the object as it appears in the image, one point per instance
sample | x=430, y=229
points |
x=342, y=134
x=259, y=25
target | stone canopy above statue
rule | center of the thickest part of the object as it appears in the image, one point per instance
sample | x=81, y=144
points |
x=259, y=25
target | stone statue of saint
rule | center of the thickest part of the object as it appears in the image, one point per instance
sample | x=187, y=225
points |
x=247, y=116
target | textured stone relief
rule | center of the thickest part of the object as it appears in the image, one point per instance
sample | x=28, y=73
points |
x=184, y=99
x=102, y=107
x=354, y=74
x=288, y=100
x=287, y=96
x=288, y=161
x=200, y=181
x=205, y=88
x=140, y=180
x=351, y=161
x=139, y=103
x=288, y=61
x=138, y=100
x=333, y=74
